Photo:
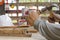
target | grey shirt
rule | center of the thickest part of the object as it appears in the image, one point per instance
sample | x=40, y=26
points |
x=49, y=30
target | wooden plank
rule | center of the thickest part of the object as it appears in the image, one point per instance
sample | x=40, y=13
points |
x=13, y=26
x=14, y=32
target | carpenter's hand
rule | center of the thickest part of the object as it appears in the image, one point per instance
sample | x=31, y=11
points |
x=51, y=20
x=32, y=17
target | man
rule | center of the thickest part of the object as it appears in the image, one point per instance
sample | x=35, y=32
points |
x=50, y=31
x=4, y=19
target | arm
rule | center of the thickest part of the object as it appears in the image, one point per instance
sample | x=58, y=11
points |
x=48, y=30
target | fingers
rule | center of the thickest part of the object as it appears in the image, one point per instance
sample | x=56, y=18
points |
x=30, y=21
x=34, y=15
x=31, y=16
x=51, y=20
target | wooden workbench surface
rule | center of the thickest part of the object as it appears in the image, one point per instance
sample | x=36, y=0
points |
x=20, y=31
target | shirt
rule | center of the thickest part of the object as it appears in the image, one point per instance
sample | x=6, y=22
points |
x=49, y=30
x=5, y=21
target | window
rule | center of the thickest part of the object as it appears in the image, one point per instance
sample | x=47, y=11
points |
x=10, y=1
x=6, y=7
x=14, y=14
x=31, y=7
x=54, y=0
x=48, y=0
x=40, y=7
x=43, y=0
x=21, y=7
x=8, y=14
x=15, y=8
x=19, y=14
x=21, y=1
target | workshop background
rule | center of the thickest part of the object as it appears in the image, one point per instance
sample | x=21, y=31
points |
x=17, y=10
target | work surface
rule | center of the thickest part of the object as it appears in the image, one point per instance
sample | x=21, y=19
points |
x=35, y=36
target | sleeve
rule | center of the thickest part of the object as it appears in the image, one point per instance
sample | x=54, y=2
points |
x=36, y=23
x=48, y=30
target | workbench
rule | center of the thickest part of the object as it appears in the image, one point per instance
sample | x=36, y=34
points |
x=35, y=36
x=20, y=31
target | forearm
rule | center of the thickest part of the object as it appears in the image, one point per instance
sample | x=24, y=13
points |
x=48, y=30
x=36, y=23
